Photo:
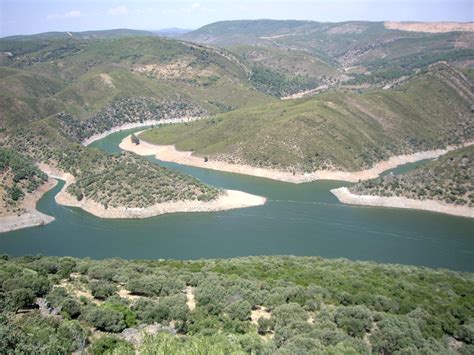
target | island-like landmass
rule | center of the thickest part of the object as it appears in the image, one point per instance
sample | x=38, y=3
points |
x=445, y=185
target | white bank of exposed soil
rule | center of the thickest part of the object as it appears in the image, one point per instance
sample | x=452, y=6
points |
x=228, y=199
x=32, y=217
x=345, y=196
x=170, y=154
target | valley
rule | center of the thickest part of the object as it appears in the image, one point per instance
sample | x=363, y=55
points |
x=247, y=187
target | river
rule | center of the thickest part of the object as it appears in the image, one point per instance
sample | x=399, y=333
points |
x=303, y=219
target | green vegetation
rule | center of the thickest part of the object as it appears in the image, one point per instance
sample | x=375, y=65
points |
x=448, y=179
x=19, y=176
x=274, y=83
x=312, y=304
x=371, y=53
x=335, y=130
x=112, y=180
x=75, y=76
x=127, y=110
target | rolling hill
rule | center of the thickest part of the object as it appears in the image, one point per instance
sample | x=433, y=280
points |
x=58, y=91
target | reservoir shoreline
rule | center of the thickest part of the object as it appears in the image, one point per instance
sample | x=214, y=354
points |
x=32, y=217
x=228, y=199
x=169, y=153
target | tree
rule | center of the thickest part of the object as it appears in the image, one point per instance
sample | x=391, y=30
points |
x=239, y=310
x=105, y=319
x=135, y=139
x=19, y=298
x=107, y=345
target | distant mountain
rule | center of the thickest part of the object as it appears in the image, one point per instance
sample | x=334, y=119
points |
x=367, y=52
x=172, y=32
x=116, y=33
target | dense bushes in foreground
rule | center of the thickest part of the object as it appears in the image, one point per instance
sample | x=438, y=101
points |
x=284, y=305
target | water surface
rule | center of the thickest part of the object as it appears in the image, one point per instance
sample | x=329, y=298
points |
x=303, y=219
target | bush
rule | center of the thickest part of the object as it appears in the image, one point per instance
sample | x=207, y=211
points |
x=107, y=345
x=102, y=289
x=356, y=321
x=105, y=319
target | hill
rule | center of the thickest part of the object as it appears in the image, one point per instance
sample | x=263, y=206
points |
x=121, y=32
x=80, y=77
x=58, y=92
x=358, y=52
x=448, y=179
x=245, y=305
x=335, y=130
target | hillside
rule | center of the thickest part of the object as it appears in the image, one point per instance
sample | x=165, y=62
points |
x=124, y=180
x=58, y=90
x=261, y=305
x=448, y=179
x=40, y=78
x=335, y=130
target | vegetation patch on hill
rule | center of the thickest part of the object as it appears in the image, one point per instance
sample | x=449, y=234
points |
x=56, y=305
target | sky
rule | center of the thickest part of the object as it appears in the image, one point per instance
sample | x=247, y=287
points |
x=35, y=16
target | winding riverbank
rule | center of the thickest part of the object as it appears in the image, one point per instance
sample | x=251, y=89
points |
x=32, y=217
x=229, y=199
x=170, y=154
x=345, y=196
x=126, y=126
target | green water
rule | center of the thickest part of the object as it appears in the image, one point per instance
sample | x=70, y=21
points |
x=301, y=219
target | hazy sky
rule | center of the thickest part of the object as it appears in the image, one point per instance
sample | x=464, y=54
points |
x=34, y=16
